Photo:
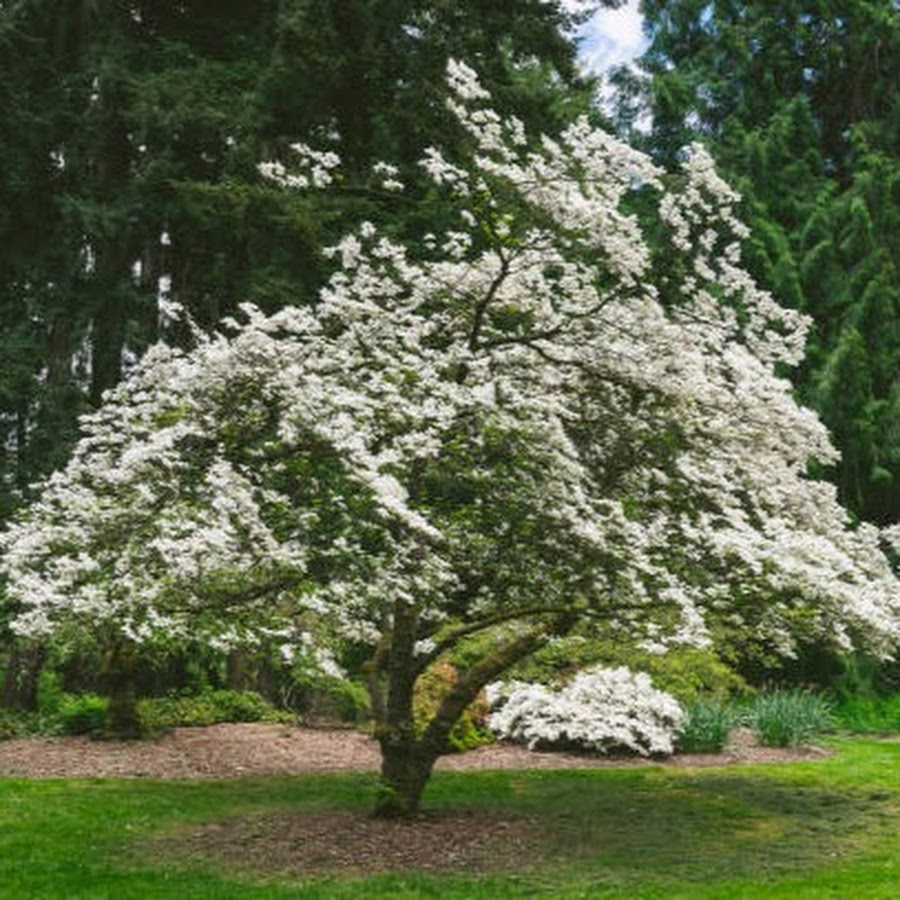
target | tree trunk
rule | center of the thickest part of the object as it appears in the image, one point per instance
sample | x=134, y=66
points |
x=239, y=675
x=20, y=683
x=406, y=760
x=123, y=720
x=406, y=765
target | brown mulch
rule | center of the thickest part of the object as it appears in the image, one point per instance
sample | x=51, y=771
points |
x=332, y=842
x=352, y=843
x=235, y=751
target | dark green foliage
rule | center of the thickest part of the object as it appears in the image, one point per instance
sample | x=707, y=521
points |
x=322, y=698
x=876, y=715
x=18, y=724
x=131, y=136
x=708, y=726
x=208, y=708
x=88, y=713
x=83, y=714
x=797, y=100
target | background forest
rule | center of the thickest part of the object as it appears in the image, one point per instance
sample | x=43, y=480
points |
x=131, y=134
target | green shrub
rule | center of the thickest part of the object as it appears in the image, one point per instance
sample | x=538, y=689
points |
x=326, y=698
x=707, y=728
x=50, y=696
x=471, y=728
x=788, y=718
x=208, y=708
x=16, y=723
x=687, y=673
x=83, y=713
x=241, y=706
x=12, y=725
x=878, y=715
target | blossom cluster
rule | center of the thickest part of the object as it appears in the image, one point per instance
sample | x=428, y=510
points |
x=605, y=710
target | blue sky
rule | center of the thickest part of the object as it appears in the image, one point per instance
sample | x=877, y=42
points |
x=611, y=37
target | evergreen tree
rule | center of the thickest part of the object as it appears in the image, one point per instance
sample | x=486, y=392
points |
x=797, y=100
x=131, y=137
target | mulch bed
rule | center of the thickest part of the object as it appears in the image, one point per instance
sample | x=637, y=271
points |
x=236, y=751
x=348, y=843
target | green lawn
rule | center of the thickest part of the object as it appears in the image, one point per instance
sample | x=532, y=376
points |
x=823, y=829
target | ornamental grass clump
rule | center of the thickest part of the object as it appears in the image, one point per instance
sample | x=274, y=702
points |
x=789, y=718
x=604, y=710
x=707, y=727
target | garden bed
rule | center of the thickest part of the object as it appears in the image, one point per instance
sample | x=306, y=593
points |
x=240, y=750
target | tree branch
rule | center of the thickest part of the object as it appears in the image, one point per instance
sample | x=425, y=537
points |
x=486, y=670
x=483, y=304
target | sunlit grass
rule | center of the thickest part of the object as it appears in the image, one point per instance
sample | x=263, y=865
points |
x=828, y=828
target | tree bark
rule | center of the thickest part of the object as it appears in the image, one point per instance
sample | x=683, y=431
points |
x=123, y=720
x=405, y=769
x=406, y=763
x=407, y=760
x=20, y=682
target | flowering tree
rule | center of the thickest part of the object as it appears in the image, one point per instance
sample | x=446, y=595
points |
x=562, y=408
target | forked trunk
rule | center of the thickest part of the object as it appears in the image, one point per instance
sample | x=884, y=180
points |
x=407, y=760
x=406, y=766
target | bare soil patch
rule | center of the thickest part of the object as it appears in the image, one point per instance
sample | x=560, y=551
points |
x=349, y=843
x=236, y=751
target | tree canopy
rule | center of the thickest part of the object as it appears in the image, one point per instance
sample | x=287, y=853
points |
x=131, y=134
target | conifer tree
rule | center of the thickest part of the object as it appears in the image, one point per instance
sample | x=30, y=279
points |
x=797, y=102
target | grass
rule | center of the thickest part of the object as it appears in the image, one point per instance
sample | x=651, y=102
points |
x=829, y=828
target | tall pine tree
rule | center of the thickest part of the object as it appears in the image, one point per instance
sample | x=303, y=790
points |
x=799, y=101
x=131, y=136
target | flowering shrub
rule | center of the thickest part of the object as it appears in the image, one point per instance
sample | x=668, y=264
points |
x=608, y=710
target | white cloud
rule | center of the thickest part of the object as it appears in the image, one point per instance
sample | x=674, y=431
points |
x=611, y=37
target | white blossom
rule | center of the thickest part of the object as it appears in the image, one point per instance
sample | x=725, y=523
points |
x=599, y=709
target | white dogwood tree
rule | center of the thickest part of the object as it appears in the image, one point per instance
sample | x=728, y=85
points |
x=563, y=407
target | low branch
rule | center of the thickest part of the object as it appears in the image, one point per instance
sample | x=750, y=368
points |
x=486, y=670
x=449, y=640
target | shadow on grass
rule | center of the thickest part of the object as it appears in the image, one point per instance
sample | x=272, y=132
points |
x=641, y=826
x=613, y=830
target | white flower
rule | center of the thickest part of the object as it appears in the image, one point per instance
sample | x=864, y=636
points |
x=536, y=413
